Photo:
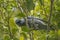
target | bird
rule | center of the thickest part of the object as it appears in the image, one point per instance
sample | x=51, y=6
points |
x=33, y=22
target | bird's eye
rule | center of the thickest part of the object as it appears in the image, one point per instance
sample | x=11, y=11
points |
x=17, y=21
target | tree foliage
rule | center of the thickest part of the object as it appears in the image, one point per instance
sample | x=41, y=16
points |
x=12, y=9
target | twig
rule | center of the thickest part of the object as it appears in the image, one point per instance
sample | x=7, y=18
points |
x=49, y=19
x=10, y=33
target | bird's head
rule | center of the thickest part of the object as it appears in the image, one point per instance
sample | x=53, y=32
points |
x=20, y=22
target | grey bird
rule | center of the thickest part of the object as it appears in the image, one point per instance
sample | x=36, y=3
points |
x=33, y=22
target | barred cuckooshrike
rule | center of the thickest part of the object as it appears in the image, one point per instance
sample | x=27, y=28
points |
x=33, y=22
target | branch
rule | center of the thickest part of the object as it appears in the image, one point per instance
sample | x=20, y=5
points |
x=49, y=19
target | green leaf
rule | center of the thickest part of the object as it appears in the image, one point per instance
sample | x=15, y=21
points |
x=25, y=29
x=24, y=34
x=30, y=5
x=41, y=2
x=14, y=30
x=6, y=38
x=20, y=15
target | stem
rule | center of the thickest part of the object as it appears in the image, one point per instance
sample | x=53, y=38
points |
x=10, y=33
x=31, y=35
x=49, y=19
